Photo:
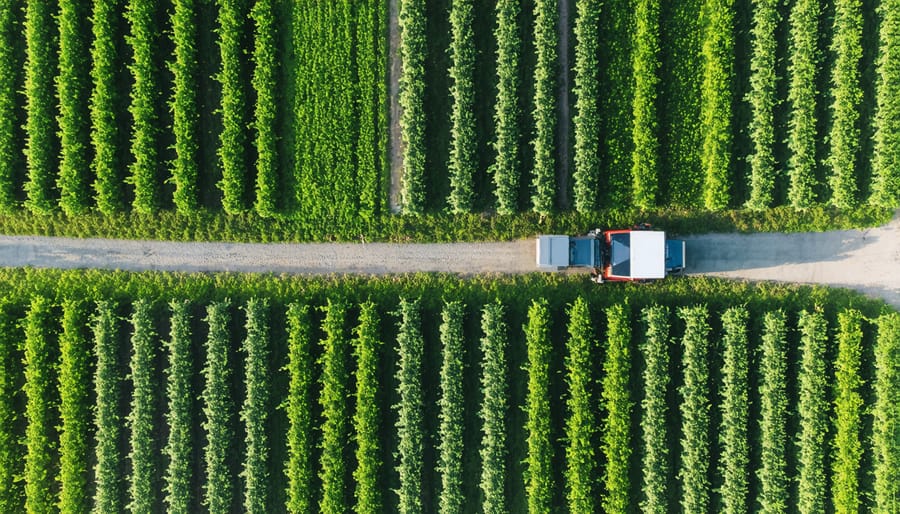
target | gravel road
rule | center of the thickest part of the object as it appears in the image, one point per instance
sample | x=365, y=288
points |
x=867, y=261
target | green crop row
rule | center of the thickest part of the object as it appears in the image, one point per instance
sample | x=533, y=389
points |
x=457, y=389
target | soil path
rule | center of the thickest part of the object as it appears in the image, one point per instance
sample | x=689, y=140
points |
x=396, y=155
x=867, y=261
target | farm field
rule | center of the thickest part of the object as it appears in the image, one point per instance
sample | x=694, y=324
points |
x=269, y=120
x=259, y=393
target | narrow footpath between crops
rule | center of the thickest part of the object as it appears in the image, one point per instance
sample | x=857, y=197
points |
x=865, y=260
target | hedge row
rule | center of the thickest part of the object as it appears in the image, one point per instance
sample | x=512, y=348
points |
x=40, y=435
x=410, y=406
x=772, y=474
x=655, y=352
x=762, y=101
x=40, y=126
x=539, y=474
x=74, y=123
x=146, y=94
x=452, y=408
x=505, y=169
x=645, y=127
x=886, y=160
x=411, y=20
x=616, y=400
x=586, y=120
x=715, y=101
x=256, y=407
x=74, y=409
x=106, y=137
x=300, y=495
x=735, y=411
x=11, y=493
x=494, y=404
x=847, y=93
x=813, y=410
x=180, y=415
x=804, y=59
x=545, y=40
x=367, y=419
x=142, y=441
x=848, y=405
x=580, y=420
x=265, y=85
x=109, y=470
x=218, y=410
x=185, y=106
x=463, y=139
x=886, y=413
x=10, y=149
x=335, y=409
x=695, y=401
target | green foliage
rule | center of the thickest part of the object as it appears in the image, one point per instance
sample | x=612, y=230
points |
x=848, y=405
x=105, y=137
x=886, y=161
x=539, y=474
x=367, y=419
x=681, y=174
x=735, y=407
x=74, y=410
x=412, y=19
x=655, y=351
x=265, y=84
x=645, y=67
x=695, y=410
x=185, y=106
x=74, y=123
x=762, y=104
x=40, y=99
x=109, y=470
x=813, y=410
x=339, y=91
x=715, y=100
x=886, y=412
x=452, y=405
x=39, y=434
x=232, y=149
x=617, y=84
x=146, y=94
x=11, y=491
x=463, y=140
x=804, y=60
x=141, y=417
x=218, y=410
x=371, y=147
x=179, y=389
x=299, y=411
x=586, y=121
x=580, y=424
x=617, y=404
x=772, y=475
x=409, y=408
x=10, y=145
x=848, y=96
x=255, y=411
x=545, y=41
x=494, y=386
x=335, y=410
x=506, y=115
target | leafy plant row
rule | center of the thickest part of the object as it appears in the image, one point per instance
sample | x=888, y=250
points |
x=350, y=375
